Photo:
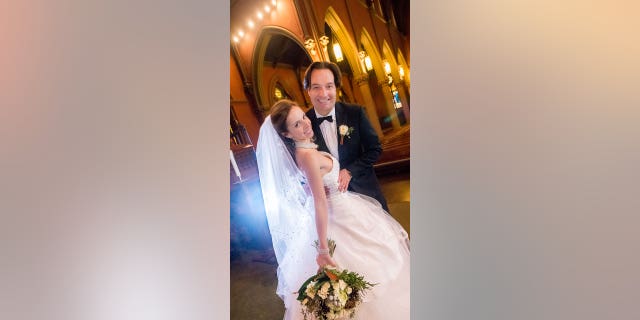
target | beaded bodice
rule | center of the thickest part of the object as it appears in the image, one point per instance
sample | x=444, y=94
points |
x=330, y=179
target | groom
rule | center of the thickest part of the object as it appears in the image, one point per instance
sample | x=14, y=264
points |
x=343, y=130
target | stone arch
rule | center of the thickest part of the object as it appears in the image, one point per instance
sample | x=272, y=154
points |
x=371, y=49
x=264, y=90
x=349, y=48
x=402, y=94
x=387, y=53
x=407, y=70
x=384, y=103
x=286, y=85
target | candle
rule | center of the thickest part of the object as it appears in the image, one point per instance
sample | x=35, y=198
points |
x=235, y=165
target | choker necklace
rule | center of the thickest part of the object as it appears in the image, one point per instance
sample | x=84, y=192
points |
x=306, y=145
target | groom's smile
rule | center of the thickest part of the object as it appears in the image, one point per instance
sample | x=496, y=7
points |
x=322, y=91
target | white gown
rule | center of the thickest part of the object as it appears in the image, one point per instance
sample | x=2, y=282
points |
x=370, y=242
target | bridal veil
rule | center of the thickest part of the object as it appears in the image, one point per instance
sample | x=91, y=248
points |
x=290, y=212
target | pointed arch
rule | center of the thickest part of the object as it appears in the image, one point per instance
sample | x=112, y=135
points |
x=406, y=67
x=275, y=82
x=369, y=46
x=263, y=89
x=349, y=48
x=387, y=53
x=391, y=58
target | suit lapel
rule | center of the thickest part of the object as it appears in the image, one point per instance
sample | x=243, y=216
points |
x=341, y=118
x=319, y=139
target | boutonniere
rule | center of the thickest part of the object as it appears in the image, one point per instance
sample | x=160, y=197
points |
x=344, y=131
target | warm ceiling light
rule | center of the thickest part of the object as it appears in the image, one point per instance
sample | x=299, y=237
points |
x=235, y=39
x=241, y=33
x=367, y=63
x=274, y=3
x=387, y=67
x=337, y=52
x=259, y=15
x=267, y=8
x=401, y=72
x=250, y=24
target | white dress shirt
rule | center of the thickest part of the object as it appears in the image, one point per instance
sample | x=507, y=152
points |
x=329, y=132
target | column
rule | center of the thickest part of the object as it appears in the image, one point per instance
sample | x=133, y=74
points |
x=388, y=102
x=404, y=98
x=363, y=83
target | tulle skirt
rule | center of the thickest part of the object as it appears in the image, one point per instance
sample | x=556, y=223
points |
x=370, y=242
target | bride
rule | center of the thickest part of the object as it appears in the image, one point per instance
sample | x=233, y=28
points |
x=303, y=203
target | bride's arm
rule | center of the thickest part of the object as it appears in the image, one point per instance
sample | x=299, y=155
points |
x=309, y=164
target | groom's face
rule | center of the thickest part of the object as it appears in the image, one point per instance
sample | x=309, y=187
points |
x=322, y=91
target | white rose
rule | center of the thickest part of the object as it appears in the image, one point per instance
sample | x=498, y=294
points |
x=343, y=297
x=324, y=290
x=310, y=291
x=343, y=129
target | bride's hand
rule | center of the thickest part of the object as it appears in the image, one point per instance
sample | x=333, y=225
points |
x=324, y=260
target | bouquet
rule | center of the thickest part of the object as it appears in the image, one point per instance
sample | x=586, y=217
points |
x=332, y=293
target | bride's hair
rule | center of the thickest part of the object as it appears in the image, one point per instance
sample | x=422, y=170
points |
x=279, y=113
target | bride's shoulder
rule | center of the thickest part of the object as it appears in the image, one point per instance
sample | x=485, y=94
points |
x=306, y=156
x=306, y=153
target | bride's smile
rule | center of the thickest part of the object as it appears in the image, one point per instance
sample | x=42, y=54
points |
x=298, y=125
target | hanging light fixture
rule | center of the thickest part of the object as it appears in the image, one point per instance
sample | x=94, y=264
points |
x=367, y=63
x=337, y=52
x=387, y=67
x=401, y=72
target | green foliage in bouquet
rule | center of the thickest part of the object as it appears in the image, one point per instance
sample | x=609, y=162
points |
x=332, y=246
x=332, y=293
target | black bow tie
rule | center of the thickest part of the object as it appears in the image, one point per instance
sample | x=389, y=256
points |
x=328, y=118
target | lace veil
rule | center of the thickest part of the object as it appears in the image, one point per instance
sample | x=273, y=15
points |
x=290, y=213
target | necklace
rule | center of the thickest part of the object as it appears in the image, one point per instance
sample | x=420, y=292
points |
x=306, y=145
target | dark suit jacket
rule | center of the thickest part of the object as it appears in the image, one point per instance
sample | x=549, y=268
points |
x=359, y=151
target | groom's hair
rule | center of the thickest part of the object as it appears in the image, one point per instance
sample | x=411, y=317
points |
x=337, y=76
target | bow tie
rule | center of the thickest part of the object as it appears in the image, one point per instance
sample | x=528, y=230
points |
x=328, y=118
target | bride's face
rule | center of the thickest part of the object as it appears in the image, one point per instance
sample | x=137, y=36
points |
x=298, y=125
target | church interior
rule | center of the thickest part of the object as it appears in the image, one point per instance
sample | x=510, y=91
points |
x=271, y=45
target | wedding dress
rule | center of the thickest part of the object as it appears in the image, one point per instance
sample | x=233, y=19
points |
x=368, y=240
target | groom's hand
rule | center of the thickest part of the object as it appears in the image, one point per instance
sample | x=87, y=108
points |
x=344, y=177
